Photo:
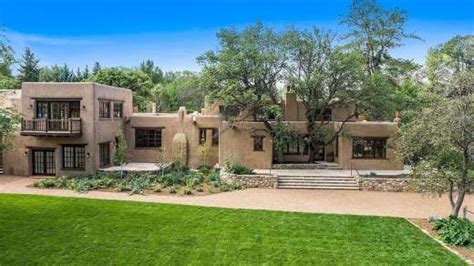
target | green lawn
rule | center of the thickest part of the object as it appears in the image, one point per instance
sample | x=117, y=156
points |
x=49, y=230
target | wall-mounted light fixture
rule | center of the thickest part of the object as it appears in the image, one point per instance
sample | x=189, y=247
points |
x=83, y=107
x=26, y=152
x=88, y=155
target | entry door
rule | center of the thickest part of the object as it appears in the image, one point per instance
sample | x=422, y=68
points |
x=43, y=162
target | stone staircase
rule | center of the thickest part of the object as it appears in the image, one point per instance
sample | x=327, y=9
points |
x=317, y=182
x=318, y=165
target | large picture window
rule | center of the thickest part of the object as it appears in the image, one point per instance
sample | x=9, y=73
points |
x=104, y=109
x=74, y=157
x=369, y=148
x=148, y=138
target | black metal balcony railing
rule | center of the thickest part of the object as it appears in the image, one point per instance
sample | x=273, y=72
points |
x=45, y=127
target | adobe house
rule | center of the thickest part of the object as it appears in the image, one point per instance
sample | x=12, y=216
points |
x=72, y=128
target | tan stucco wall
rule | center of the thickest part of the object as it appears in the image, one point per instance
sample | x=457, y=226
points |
x=368, y=129
x=17, y=160
x=172, y=124
x=236, y=138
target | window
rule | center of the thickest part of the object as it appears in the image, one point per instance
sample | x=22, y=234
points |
x=104, y=109
x=369, y=148
x=298, y=147
x=215, y=137
x=327, y=115
x=104, y=154
x=147, y=138
x=74, y=157
x=58, y=109
x=258, y=143
x=202, y=136
x=118, y=109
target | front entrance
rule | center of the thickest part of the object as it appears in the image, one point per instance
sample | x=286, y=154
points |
x=43, y=162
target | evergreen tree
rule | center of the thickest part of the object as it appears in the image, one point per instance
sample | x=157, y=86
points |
x=86, y=74
x=96, y=68
x=29, y=69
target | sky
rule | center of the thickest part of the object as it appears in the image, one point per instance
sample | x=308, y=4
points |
x=174, y=33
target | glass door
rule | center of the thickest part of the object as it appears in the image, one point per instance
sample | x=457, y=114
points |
x=43, y=162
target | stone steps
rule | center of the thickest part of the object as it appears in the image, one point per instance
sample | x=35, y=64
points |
x=317, y=182
x=328, y=166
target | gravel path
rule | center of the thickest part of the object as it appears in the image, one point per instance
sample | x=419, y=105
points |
x=398, y=204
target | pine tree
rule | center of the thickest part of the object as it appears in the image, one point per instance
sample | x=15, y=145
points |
x=86, y=74
x=29, y=69
x=96, y=68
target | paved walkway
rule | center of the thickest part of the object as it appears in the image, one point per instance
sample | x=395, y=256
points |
x=411, y=205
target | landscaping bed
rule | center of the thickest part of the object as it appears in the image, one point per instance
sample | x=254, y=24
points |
x=175, y=180
x=54, y=230
x=466, y=252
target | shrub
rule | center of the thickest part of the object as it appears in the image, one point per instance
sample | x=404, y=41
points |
x=239, y=170
x=455, y=231
x=173, y=190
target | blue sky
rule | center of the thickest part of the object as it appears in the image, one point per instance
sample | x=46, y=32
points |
x=173, y=33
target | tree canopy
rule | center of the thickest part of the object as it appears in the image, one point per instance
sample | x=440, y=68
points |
x=438, y=142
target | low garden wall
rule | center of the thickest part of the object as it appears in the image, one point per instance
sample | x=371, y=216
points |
x=251, y=181
x=389, y=184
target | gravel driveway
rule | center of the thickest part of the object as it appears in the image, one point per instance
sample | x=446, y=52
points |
x=398, y=204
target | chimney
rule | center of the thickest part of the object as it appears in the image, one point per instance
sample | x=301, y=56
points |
x=291, y=105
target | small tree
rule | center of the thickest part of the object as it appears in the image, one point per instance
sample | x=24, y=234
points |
x=121, y=151
x=203, y=154
x=161, y=160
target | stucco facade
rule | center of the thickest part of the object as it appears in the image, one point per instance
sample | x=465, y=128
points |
x=84, y=122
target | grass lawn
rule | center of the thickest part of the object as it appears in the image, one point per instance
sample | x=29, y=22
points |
x=50, y=230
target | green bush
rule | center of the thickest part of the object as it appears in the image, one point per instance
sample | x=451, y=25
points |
x=455, y=231
x=138, y=182
x=238, y=169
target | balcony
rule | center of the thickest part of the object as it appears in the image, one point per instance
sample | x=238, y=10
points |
x=69, y=127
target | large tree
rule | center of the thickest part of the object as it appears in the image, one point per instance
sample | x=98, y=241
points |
x=439, y=141
x=7, y=55
x=183, y=90
x=9, y=122
x=373, y=31
x=322, y=76
x=135, y=80
x=7, y=59
x=244, y=71
x=29, y=69
x=155, y=73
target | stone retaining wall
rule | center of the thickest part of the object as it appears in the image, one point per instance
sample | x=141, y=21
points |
x=391, y=184
x=384, y=184
x=251, y=181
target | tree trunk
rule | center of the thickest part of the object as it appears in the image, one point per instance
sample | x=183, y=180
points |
x=459, y=201
x=312, y=142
